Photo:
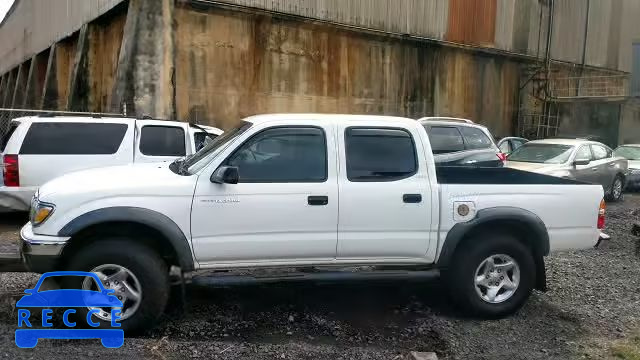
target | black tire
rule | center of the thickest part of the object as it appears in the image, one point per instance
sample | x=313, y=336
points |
x=460, y=277
x=148, y=267
x=613, y=197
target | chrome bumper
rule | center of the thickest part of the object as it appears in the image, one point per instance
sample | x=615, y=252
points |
x=40, y=253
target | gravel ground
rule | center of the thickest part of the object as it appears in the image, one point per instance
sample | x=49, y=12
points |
x=593, y=301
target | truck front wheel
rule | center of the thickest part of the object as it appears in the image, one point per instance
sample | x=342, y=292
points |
x=137, y=275
x=491, y=275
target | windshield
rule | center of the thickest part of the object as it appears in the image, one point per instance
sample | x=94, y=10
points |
x=542, y=153
x=628, y=152
x=200, y=159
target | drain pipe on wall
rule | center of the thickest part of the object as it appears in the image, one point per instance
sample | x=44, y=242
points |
x=584, y=47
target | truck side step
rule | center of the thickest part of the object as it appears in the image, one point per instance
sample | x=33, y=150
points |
x=218, y=280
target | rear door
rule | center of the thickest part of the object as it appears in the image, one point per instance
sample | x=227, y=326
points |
x=161, y=141
x=604, y=168
x=54, y=148
x=385, y=198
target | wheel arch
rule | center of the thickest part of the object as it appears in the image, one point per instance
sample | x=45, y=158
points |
x=167, y=235
x=524, y=224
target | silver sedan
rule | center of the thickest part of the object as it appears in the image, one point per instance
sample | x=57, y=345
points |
x=581, y=160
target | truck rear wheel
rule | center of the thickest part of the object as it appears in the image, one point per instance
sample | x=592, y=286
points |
x=491, y=275
x=138, y=276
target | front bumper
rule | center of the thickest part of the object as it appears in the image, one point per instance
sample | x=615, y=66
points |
x=40, y=253
x=633, y=179
x=16, y=199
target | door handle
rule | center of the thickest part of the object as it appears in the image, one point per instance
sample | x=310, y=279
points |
x=412, y=198
x=594, y=169
x=318, y=200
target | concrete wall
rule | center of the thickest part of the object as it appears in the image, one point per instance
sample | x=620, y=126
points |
x=517, y=26
x=217, y=63
x=232, y=64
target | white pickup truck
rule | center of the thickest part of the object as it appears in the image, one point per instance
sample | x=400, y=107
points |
x=321, y=192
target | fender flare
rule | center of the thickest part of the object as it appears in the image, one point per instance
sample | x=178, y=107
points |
x=538, y=229
x=153, y=219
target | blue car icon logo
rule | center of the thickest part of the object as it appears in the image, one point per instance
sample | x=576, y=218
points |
x=27, y=337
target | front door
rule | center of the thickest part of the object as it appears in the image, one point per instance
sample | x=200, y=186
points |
x=385, y=198
x=585, y=173
x=284, y=207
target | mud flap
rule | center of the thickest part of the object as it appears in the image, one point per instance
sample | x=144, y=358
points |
x=541, y=274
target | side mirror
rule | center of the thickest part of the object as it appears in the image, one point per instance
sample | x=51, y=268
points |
x=28, y=291
x=581, y=162
x=225, y=175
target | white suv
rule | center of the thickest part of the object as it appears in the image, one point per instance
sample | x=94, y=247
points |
x=38, y=149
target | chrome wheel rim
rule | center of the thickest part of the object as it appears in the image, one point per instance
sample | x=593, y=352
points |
x=497, y=278
x=617, y=188
x=125, y=285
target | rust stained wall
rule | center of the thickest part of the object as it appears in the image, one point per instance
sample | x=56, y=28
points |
x=481, y=88
x=472, y=22
x=65, y=55
x=105, y=39
x=232, y=65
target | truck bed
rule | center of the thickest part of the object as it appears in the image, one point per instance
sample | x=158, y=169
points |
x=498, y=176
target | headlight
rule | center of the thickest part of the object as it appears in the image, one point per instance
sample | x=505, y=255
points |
x=40, y=212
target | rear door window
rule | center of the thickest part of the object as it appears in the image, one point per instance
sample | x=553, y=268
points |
x=5, y=138
x=60, y=138
x=584, y=153
x=162, y=141
x=445, y=139
x=379, y=155
x=599, y=152
x=475, y=138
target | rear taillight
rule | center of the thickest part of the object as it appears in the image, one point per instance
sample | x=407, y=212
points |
x=601, y=213
x=502, y=157
x=11, y=172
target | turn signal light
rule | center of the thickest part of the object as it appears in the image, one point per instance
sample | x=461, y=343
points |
x=601, y=213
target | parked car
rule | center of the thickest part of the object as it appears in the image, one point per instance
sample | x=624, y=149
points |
x=38, y=149
x=631, y=152
x=508, y=144
x=577, y=159
x=461, y=142
x=265, y=194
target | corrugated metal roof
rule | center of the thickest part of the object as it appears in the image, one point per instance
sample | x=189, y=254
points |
x=33, y=25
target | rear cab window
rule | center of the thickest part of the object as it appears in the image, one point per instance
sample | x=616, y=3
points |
x=156, y=140
x=4, y=140
x=73, y=138
x=380, y=154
